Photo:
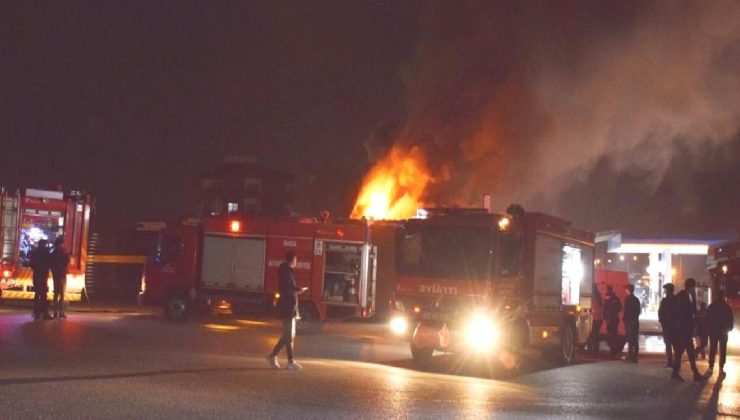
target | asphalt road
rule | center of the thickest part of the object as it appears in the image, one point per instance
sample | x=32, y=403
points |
x=138, y=365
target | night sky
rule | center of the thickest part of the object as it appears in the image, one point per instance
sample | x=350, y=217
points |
x=618, y=115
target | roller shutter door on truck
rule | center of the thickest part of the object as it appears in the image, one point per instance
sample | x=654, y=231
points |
x=233, y=263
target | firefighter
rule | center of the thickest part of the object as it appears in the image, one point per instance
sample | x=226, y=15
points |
x=685, y=311
x=667, y=319
x=39, y=261
x=631, y=318
x=612, y=307
x=720, y=322
x=287, y=310
x=59, y=261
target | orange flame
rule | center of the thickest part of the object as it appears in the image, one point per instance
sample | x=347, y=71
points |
x=394, y=186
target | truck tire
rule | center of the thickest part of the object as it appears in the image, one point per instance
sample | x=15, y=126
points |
x=177, y=307
x=422, y=356
x=568, y=341
x=310, y=321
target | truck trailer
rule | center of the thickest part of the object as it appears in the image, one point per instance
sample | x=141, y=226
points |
x=29, y=215
x=231, y=263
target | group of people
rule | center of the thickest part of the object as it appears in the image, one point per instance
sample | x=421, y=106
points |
x=43, y=260
x=679, y=317
x=607, y=309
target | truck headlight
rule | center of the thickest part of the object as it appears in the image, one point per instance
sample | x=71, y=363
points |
x=481, y=333
x=399, y=325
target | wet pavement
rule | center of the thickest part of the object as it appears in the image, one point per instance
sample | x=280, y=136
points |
x=129, y=364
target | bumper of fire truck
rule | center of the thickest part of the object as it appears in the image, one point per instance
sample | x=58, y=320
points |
x=476, y=334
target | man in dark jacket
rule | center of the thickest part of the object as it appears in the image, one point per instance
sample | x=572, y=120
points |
x=721, y=322
x=612, y=307
x=59, y=261
x=39, y=261
x=631, y=318
x=685, y=311
x=287, y=310
x=667, y=319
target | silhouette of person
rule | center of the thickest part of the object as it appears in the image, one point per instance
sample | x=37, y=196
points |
x=702, y=331
x=667, y=319
x=597, y=310
x=39, y=261
x=631, y=317
x=287, y=310
x=720, y=322
x=59, y=261
x=685, y=310
x=612, y=307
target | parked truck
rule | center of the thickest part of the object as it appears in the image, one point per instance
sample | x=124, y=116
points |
x=231, y=264
x=723, y=263
x=467, y=281
x=29, y=215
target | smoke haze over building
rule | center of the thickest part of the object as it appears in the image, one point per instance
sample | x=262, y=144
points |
x=590, y=108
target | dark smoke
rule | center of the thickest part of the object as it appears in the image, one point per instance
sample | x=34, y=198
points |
x=612, y=113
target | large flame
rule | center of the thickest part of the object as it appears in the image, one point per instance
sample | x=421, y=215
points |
x=395, y=185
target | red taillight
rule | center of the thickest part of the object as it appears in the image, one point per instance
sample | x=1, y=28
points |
x=235, y=226
x=340, y=233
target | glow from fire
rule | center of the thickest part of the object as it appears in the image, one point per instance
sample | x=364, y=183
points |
x=394, y=187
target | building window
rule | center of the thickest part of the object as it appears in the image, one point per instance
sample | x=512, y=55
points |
x=209, y=184
x=233, y=207
x=252, y=184
x=215, y=207
x=252, y=205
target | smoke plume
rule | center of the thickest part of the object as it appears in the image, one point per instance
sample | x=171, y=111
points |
x=526, y=100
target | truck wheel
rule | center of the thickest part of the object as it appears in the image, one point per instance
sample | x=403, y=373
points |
x=568, y=344
x=310, y=322
x=422, y=356
x=177, y=307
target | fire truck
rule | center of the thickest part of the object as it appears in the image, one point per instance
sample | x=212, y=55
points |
x=29, y=215
x=723, y=263
x=229, y=263
x=468, y=281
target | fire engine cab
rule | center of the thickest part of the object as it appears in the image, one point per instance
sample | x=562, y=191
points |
x=229, y=262
x=467, y=281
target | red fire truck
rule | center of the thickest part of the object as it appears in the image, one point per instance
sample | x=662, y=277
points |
x=723, y=263
x=29, y=215
x=478, y=283
x=232, y=263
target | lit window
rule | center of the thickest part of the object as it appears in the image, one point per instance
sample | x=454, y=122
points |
x=233, y=207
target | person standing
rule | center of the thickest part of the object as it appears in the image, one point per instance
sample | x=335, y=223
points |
x=39, y=261
x=702, y=331
x=685, y=311
x=612, y=307
x=720, y=322
x=597, y=310
x=667, y=319
x=59, y=261
x=631, y=318
x=287, y=310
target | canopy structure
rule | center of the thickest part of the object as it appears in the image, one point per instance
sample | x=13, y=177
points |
x=660, y=251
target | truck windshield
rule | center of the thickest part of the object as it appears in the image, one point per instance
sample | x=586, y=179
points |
x=446, y=252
